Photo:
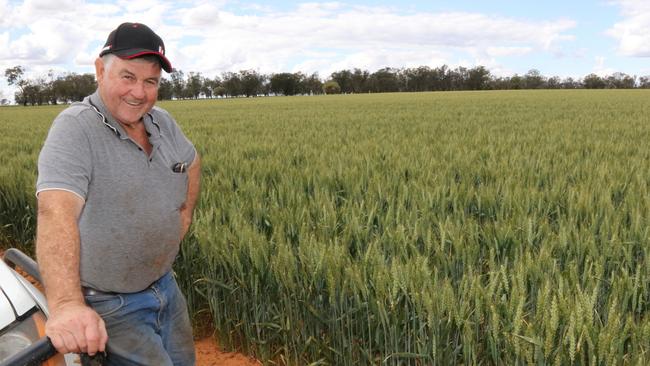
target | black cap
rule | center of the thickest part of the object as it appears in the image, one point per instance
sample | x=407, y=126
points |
x=133, y=40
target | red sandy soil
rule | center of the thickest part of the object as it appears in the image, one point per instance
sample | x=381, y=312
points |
x=208, y=354
x=207, y=348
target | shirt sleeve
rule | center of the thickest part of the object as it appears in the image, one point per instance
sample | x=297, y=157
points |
x=65, y=159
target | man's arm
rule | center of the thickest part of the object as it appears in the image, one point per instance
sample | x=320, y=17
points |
x=193, y=189
x=72, y=325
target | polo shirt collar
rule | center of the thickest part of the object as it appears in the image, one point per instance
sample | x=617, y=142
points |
x=152, y=126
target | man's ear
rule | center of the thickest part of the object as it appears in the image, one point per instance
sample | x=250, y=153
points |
x=100, y=69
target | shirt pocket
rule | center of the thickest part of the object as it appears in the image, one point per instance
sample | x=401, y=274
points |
x=177, y=186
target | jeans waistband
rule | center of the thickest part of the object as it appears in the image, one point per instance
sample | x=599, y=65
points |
x=89, y=291
x=162, y=281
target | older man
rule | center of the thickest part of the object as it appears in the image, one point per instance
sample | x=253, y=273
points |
x=116, y=188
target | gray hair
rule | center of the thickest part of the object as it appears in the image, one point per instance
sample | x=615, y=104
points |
x=108, y=58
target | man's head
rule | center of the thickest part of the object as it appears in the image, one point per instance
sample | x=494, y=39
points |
x=128, y=71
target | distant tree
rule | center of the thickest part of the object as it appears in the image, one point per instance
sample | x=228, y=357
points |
x=178, y=83
x=422, y=78
x=533, y=79
x=570, y=83
x=193, y=85
x=478, y=78
x=285, y=83
x=251, y=82
x=359, y=81
x=4, y=101
x=82, y=86
x=344, y=79
x=62, y=89
x=15, y=76
x=459, y=77
x=499, y=83
x=312, y=84
x=331, y=87
x=620, y=80
x=384, y=81
x=209, y=86
x=165, y=89
x=644, y=82
x=219, y=91
x=31, y=94
x=72, y=87
x=593, y=81
x=265, y=87
x=553, y=82
x=442, y=78
x=49, y=92
x=516, y=82
x=232, y=84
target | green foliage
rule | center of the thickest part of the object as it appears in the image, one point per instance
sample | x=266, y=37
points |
x=22, y=131
x=429, y=228
x=331, y=87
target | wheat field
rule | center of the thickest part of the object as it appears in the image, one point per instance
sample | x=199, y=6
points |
x=505, y=227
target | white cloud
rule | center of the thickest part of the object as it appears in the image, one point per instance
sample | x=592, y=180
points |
x=633, y=31
x=310, y=37
x=204, y=15
x=5, y=14
x=138, y=7
x=600, y=68
x=48, y=41
x=500, y=51
x=365, y=37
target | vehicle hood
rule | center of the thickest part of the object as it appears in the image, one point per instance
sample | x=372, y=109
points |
x=15, y=299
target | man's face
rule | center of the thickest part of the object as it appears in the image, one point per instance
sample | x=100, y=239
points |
x=129, y=88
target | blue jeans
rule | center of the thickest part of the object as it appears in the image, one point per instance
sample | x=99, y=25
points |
x=150, y=327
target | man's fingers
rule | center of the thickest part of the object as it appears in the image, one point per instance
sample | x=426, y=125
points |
x=70, y=343
x=76, y=329
x=57, y=342
x=103, y=335
x=79, y=337
x=93, y=338
x=96, y=337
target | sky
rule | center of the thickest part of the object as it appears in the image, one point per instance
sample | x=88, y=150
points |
x=569, y=38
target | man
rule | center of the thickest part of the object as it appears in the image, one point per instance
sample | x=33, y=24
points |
x=116, y=188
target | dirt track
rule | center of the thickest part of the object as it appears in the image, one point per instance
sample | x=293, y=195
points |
x=208, y=354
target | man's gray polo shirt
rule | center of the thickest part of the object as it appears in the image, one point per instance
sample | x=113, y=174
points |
x=130, y=223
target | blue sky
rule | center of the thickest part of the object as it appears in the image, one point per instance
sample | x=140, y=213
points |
x=563, y=38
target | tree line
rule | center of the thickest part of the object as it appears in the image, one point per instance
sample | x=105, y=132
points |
x=69, y=87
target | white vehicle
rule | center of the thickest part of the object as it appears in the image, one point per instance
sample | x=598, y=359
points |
x=23, y=311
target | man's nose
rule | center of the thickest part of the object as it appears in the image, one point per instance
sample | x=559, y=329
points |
x=138, y=90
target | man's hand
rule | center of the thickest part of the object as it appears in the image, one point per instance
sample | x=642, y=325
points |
x=76, y=328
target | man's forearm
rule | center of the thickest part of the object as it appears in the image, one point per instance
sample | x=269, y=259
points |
x=193, y=183
x=57, y=252
x=193, y=189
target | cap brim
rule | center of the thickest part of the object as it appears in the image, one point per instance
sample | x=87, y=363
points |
x=138, y=52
